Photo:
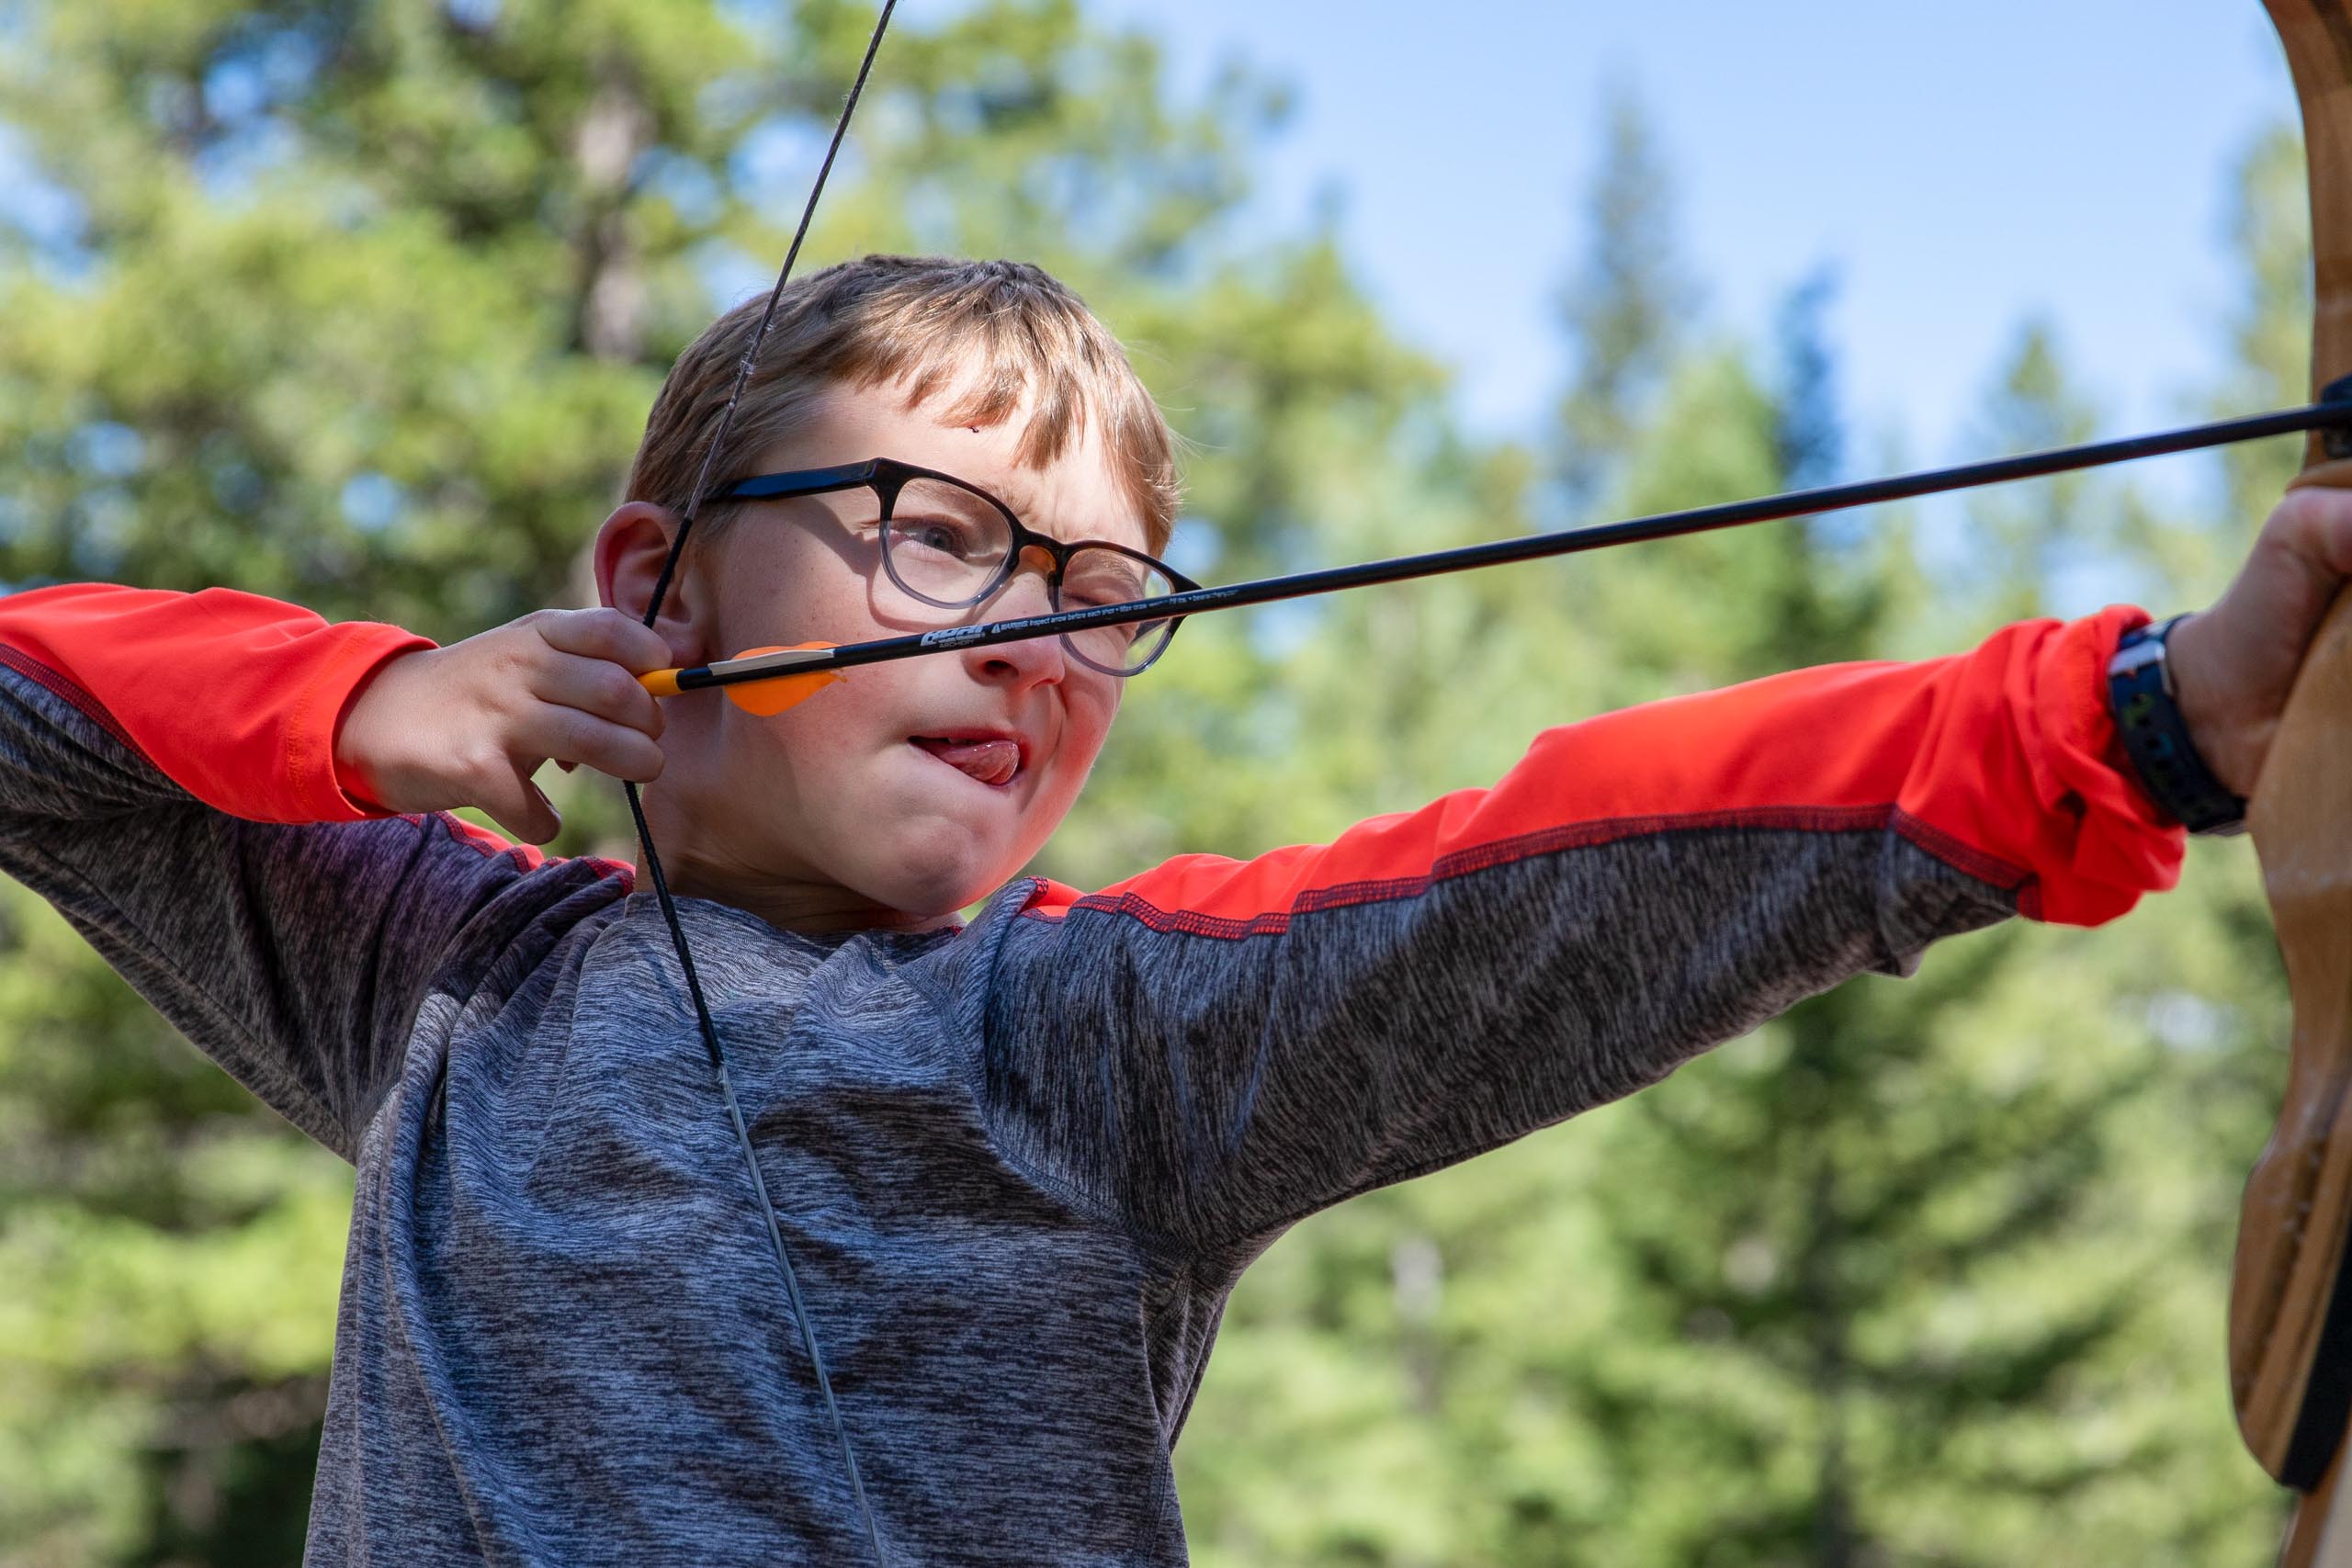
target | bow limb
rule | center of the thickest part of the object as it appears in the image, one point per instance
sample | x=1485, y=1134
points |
x=2291, y=1298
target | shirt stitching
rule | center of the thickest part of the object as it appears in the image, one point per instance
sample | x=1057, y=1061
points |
x=1983, y=867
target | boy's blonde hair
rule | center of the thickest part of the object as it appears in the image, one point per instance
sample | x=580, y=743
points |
x=984, y=337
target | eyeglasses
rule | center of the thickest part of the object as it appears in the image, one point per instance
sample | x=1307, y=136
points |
x=950, y=545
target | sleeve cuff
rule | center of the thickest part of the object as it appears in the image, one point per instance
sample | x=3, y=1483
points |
x=2113, y=842
x=323, y=791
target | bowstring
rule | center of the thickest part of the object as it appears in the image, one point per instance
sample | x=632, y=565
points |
x=709, y=1028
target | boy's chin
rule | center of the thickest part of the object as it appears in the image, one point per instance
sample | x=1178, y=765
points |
x=934, y=866
x=929, y=888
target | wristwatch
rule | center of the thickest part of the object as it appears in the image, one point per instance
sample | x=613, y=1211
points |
x=2148, y=718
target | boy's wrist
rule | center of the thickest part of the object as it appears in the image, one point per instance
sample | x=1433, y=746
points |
x=354, y=767
x=2155, y=731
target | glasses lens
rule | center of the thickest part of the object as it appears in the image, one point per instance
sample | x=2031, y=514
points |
x=942, y=543
x=1099, y=575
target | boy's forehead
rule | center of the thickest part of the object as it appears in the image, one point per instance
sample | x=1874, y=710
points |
x=1074, y=494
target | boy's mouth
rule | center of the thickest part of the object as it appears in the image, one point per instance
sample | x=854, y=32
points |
x=991, y=756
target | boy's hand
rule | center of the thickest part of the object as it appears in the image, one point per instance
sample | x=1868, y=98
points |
x=467, y=725
x=2233, y=665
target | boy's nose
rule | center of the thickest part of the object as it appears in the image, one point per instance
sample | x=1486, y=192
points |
x=1037, y=558
x=1023, y=593
x=1026, y=583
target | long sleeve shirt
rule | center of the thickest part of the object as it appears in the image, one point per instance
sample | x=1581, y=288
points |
x=1021, y=1164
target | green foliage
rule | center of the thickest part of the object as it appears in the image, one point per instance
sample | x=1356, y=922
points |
x=173, y=1258
x=363, y=306
x=1625, y=309
x=1926, y=1271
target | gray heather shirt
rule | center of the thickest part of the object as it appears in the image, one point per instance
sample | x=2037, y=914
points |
x=1020, y=1165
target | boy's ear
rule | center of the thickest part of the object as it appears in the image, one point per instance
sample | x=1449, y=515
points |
x=631, y=548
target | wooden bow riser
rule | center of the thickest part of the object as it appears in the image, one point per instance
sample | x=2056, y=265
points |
x=2290, y=1299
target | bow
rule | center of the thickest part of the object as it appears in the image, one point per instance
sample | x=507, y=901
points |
x=2291, y=1298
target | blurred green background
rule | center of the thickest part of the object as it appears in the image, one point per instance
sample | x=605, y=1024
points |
x=362, y=304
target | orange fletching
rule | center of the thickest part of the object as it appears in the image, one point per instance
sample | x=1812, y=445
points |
x=767, y=698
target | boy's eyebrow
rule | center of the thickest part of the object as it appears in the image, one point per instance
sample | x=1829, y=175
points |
x=1024, y=503
x=1016, y=486
x=1113, y=527
x=1019, y=494
x=1009, y=488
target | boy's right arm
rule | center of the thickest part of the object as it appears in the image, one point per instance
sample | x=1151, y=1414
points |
x=169, y=779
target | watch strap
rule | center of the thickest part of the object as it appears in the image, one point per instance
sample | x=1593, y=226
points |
x=2156, y=736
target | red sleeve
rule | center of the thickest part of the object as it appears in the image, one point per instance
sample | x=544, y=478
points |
x=1995, y=762
x=232, y=696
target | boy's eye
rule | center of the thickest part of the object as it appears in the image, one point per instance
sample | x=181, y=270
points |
x=1103, y=576
x=959, y=537
x=945, y=522
x=1101, y=591
x=944, y=543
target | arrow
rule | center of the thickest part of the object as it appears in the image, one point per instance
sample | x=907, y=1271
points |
x=767, y=680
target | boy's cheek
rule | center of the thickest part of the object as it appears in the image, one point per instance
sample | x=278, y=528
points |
x=842, y=791
x=1057, y=793
x=1089, y=711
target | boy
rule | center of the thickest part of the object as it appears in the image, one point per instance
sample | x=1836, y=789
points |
x=1020, y=1163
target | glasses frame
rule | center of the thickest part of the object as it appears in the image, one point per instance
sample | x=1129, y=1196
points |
x=885, y=476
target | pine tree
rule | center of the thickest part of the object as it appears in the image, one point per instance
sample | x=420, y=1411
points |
x=1884, y=1284
x=1626, y=311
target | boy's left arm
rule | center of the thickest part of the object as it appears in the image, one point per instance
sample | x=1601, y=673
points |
x=1215, y=1048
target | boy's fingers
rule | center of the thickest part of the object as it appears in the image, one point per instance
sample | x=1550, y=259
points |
x=2331, y=541
x=524, y=811
x=608, y=635
x=600, y=687
x=583, y=738
x=2313, y=525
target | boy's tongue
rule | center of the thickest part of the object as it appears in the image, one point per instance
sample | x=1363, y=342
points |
x=990, y=762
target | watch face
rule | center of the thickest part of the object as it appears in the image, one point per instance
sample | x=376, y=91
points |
x=2137, y=651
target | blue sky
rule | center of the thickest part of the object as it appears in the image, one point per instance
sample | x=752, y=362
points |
x=1963, y=168
x=1963, y=171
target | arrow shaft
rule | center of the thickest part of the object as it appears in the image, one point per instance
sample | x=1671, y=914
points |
x=2334, y=414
